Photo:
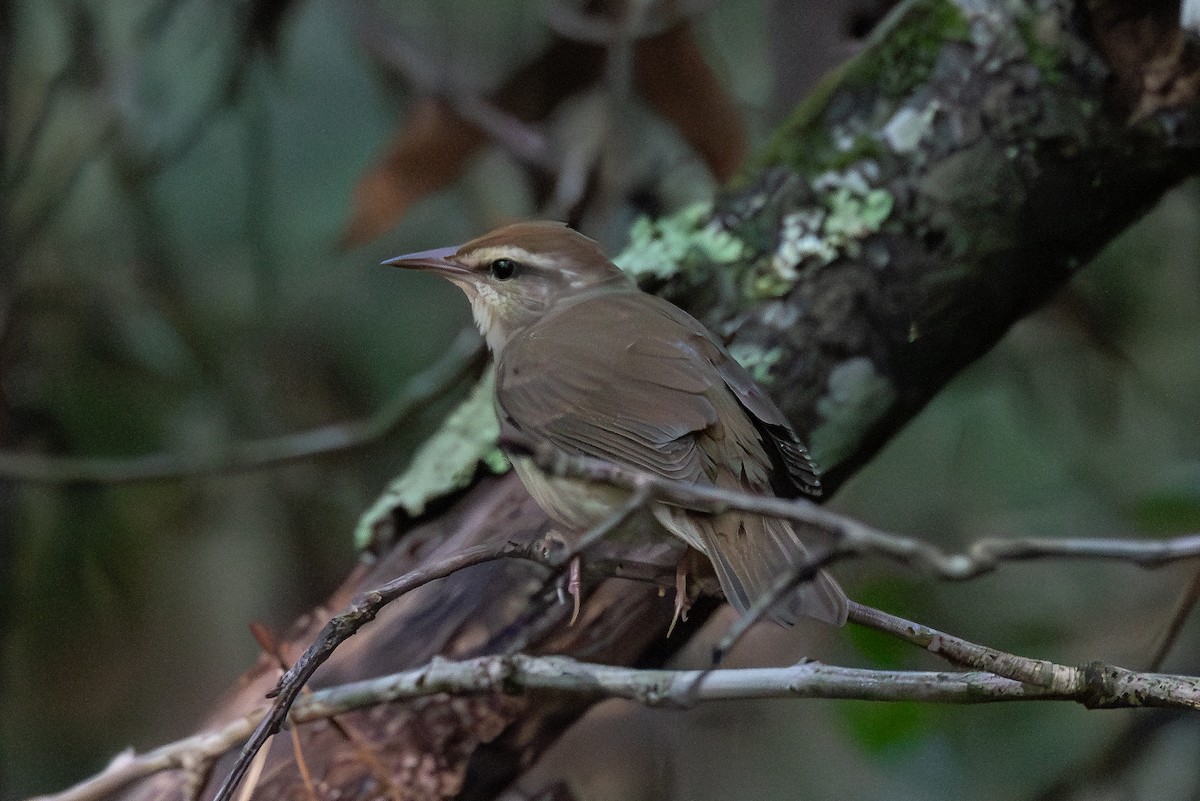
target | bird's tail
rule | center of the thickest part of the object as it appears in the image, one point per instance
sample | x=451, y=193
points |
x=748, y=553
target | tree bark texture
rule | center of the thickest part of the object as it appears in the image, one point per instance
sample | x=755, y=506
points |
x=929, y=194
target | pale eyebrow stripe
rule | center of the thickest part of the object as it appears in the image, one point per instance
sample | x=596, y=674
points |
x=517, y=254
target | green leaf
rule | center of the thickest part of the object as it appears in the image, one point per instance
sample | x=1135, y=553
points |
x=880, y=727
x=444, y=464
x=1169, y=511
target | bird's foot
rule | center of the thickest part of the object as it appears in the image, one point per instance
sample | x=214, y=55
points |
x=553, y=547
x=682, y=602
x=574, y=586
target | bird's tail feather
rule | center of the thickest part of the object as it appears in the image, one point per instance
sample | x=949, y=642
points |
x=748, y=553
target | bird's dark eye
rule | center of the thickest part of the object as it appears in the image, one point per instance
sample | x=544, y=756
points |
x=503, y=269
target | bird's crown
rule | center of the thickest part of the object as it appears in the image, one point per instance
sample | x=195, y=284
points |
x=515, y=274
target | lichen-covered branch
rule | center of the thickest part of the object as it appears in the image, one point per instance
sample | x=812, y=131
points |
x=929, y=194
x=847, y=536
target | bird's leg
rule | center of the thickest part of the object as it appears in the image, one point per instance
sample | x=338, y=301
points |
x=682, y=602
x=574, y=586
x=552, y=543
x=574, y=556
x=555, y=548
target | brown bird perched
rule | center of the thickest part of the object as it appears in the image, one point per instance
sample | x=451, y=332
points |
x=589, y=363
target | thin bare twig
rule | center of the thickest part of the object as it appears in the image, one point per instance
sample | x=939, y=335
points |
x=854, y=538
x=338, y=630
x=518, y=673
x=957, y=651
x=665, y=688
x=428, y=76
x=962, y=653
x=459, y=361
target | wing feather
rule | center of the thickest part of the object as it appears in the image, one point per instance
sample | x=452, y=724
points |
x=627, y=377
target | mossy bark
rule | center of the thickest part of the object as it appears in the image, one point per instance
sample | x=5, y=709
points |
x=928, y=195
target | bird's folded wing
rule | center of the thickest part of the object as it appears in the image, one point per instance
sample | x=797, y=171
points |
x=628, y=376
x=620, y=381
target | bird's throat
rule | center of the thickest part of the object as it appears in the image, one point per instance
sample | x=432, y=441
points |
x=494, y=331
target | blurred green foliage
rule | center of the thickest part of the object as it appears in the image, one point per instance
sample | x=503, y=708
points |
x=171, y=285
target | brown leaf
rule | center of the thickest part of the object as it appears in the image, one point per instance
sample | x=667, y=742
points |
x=671, y=73
x=1154, y=65
x=435, y=142
x=267, y=640
x=429, y=153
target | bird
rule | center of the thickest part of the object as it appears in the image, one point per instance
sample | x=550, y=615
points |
x=589, y=364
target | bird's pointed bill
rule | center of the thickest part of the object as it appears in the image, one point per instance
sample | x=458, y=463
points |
x=436, y=259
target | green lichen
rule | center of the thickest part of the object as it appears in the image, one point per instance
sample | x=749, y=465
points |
x=443, y=465
x=904, y=50
x=851, y=210
x=757, y=360
x=855, y=214
x=902, y=53
x=1043, y=44
x=677, y=242
x=908, y=127
x=857, y=397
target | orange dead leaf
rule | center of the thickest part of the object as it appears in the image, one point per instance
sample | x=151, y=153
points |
x=671, y=73
x=1154, y=65
x=265, y=637
x=429, y=153
x=435, y=142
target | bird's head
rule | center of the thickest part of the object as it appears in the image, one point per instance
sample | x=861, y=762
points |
x=514, y=275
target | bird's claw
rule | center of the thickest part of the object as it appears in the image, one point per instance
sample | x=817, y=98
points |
x=574, y=587
x=682, y=602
